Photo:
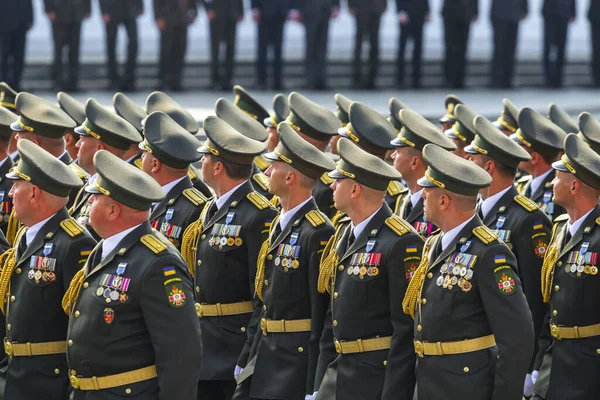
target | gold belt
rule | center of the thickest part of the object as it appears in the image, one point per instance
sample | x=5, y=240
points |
x=219, y=310
x=363, y=345
x=576, y=332
x=281, y=326
x=34, y=349
x=112, y=381
x=464, y=346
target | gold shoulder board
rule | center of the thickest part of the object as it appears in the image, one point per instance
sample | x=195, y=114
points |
x=326, y=179
x=398, y=225
x=524, y=179
x=258, y=200
x=526, y=203
x=71, y=227
x=262, y=180
x=79, y=171
x=138, y=163
x=261, y=163
x=315, y=218
x=598, y=220
x=395, y=188
x=194, y=195
x=153, y=243
x=563, y=217
x=191, y=174
x=485, y=234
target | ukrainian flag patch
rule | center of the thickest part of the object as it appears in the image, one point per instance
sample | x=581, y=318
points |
x=168, y=271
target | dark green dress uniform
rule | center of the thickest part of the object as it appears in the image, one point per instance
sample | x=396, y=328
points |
x=283, y=357
x=137, y=300
x=539, y=134
x=367, y=277
x=228, y=242
x=561, y=118
x=251, y=128
x=515, y=219
x=35, y=279
x=416, y=132
x=6, y=119
x=176, y=148
x=570, y=283
x=318, y=123
x=473, y=329
x=111, y=129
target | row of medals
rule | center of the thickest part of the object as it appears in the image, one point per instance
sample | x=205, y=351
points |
x=363, y=270
x=46, y=276
x=222, y=240
x=580, y=268
x=286, y=262
x=453, y=274
x=111, y=295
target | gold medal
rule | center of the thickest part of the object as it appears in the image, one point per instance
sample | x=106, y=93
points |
x=284, y=262
x=363, y=271
x=230, y=241
x=374, y=271
x=466, y=286
x=238, y=241
x=295, y=264
x=593, y=270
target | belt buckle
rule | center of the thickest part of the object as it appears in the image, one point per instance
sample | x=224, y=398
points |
x=8, y=348
x=263, y=326
x=338, y=346
x=555, y=331
x=199, y=310
x=419, y=348
x=74, y=380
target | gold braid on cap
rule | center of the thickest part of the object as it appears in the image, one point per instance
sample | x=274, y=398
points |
x=508, y=127
x=548, y=265
x=415, y=286
x=329, y=260
x=8, y=261
x=190, y=239
x=13, y=227
x=72, y=293
x=260, y=262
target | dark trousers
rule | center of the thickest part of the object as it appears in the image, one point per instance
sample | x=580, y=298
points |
x=414, y=30
x=555, y=40
x=173, y=45
x=317, y=30
x=595, y=25
x=367, y=26
x=12, y=55
x=132, y=50
x=505, y=46
x=66, y=35
x=216, y=390
x=270, y=34
x=456, y=37
x=222, y=31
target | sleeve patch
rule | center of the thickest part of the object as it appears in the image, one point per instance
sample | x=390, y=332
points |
x=504, y=279
x=175, y=293
x=540, y=242
x=153, y=243
x=71, y=227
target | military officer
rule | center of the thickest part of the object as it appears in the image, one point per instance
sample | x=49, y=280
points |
x=589, y=130
x=561, y=118
x=458, y=16
x=514, y=218
x=449, y=118
x=542, y=139
x=101, y=130
x=133, y=295
x=395, y=106
x=317, y=125
x=473, y=328
x=6, y=163
x=342, y=111
x=281, y=110
x=408, y=159
x=570, y=279
x=135, y=115
x=38, y=270
x=507, y=121
x=168, y=152
x=221, y=249
x=366, y=268
x=293, y=250
x=557, y=14
x=76, y=110
x=462, y=132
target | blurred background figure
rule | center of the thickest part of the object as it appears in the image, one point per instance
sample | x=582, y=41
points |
x=412, y=16
x=16, y=18
x=557, y=16
x=368, y=17
x=594, y=17
x=458, y=15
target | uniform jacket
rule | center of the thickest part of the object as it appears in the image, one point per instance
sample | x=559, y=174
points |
x=527, y=231
x=570, y=364
x=460, y=10
x=491, y=301
x=559, y=8
x=373, y=6
x=594, y=11
x=34, y=310
x=16, y=15
x=5, y=199
x=367, y=303
x=226, y=274
x=509, y=10
x=68, y=10
x=231, y=9
x=80, y=211
x=286, y=362
x=175, y=11
x=152, y=321
x=416, y=9
x=122, y=10
x=323, y=195
x=542, y=196
x=415, y=216
x=180, y=208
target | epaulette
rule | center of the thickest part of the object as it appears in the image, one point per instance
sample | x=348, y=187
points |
x=81, y=173
x=138, y=163
x=262, y=180
x=485, y=234
x=258, y=200
x=195, y=196
x=261, y=163
x=526, y=203
x=524, y=179
x=395, y=188
x=398, y=225
x=326, y=179
x=598, y=220
x=315, y=218
x=191, y=174
x=71, y=226
x=153, y=243
x=562, y=218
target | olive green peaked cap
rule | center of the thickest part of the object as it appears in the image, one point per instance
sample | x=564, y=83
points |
x=580, y=160
x=311, y=118
x=240, y=121
x=248, y=104
x=39, y=116
x=73, y=107
x=159, y=101
x=281, y=111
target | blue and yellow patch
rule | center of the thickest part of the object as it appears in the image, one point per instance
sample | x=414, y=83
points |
x=500, y=259
x=168, y=271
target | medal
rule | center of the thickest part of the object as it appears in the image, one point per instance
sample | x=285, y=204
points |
x=99, y=291
x=350, y=271
x=363, y=271
x=51, y=276
x=356, y=270
x=294, y=238
x=469, y=274
x=284, y=262
x=114, y=295
x=123, y=297
x=223, y=241
x=230, y=216
x=467, y=286
x=238, y=241
x=444, y=268
x=295, y=264
x=230, y=241
x=463, y=271
x=454, y=280
x=440, y=281
x=456, y=270
x=44, y=276
x=30, y=274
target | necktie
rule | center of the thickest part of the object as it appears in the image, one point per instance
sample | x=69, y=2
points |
x=212, y=211
x=22, y=246
x=408, y=209
x=97, y=258
x=350, y=239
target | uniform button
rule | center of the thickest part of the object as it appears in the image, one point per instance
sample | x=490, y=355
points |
x=128, y=391
x=199, y=262
x=554, y=313
x=557, y=288
x=57, y=371
x=466, y=369
x=18, y=271
x=70, y=342
x=559, y=264
x=300, y=349
x=419, y=328
x=424, y=301
x=197, y=289
x=385, y=363
x=335, y=323
x=270, y=257
x=264, y=308
x=597, y=351
x=266, y=282
x=8, y=327
x=429, y=275
x=12, y=299
x=203, y=237
x=335, y=295
x=341, y=267
x=243, y=329
x=85, y=285
x=77, y=314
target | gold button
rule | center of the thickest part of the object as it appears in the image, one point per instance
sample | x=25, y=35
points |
x=265, y=308
x=199, y=262
x=197, y=289
x=18, y=270
x=300, y=349
x=557, y=288
x=555, y=313
x=266, y=282
x=8, y=327
x=424, y=301
x=270, y=257
x=243, y=329
x=466, y=369
x=335, y=295
x=128, y=391
x=57, y=371
x=559, y=264
x=341, y=267
x=385, y=363
x=429, y=275
x=203, y=237
x=77, y=314
x=70, y=342
x=597, y=351
x=12, y=299
x=419, y=328
x=85, y=285
x=335, y=323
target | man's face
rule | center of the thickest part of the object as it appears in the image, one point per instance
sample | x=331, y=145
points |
x=333, y=142
x=561, y=185
x=100, y=212
x=342, y=191
x=477, y=160
x=431, y=204
x=207, y=170
x=401, y=161
x=147, y=162
x=277, y=173
x=87, y=146
x=460, y=148
x=447, y=125
x=272, y=139
x=21, y=193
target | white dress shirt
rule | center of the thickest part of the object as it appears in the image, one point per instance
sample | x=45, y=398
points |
x=449, y=236
x=112, y=242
